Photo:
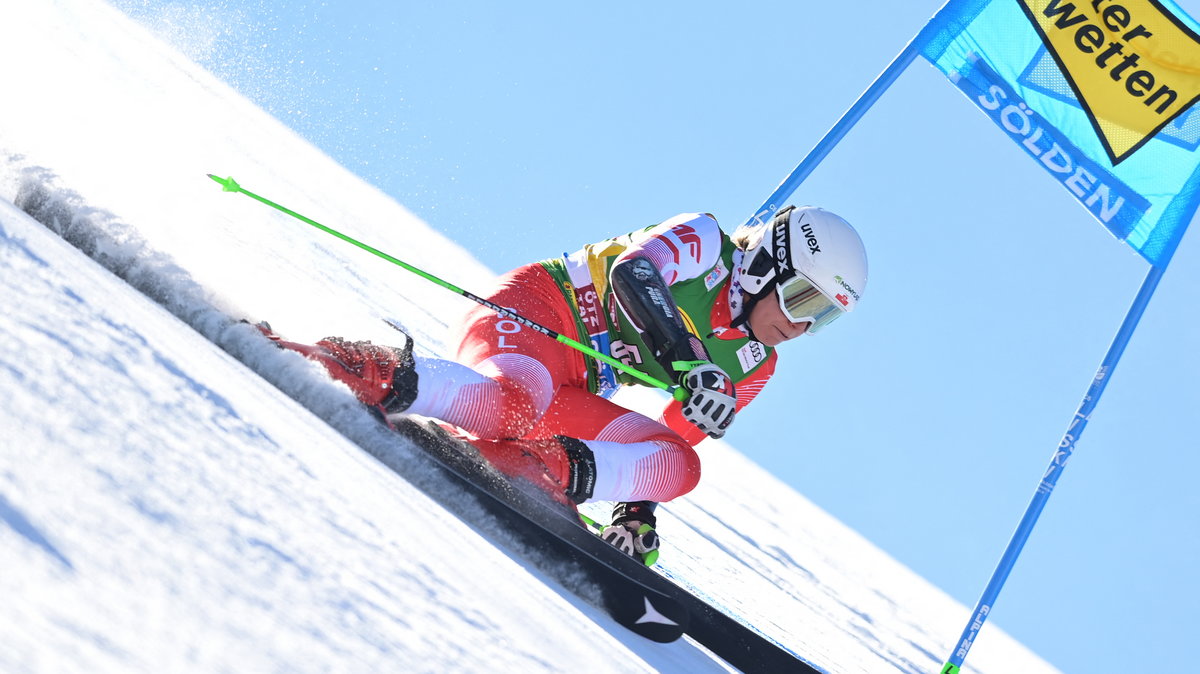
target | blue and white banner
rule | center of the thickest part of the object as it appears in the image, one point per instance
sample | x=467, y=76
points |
x=1099, y=92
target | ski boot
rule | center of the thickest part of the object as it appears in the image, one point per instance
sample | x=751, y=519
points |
x=383, y=378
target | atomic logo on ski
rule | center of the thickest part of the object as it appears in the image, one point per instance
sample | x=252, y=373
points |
x=653, y=616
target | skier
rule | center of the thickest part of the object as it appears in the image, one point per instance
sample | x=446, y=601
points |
x=680, y=301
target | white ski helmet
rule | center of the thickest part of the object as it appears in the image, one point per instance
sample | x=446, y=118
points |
x=812, y=260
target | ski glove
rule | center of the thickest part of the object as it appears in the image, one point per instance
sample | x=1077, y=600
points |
x=636, y=539
x=632, y=530
x=711, y=401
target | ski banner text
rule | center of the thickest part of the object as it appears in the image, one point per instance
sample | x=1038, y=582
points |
x=1099, y=92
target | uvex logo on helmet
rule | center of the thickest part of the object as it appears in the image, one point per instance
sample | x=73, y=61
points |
x=813, y=246
x=783, y=262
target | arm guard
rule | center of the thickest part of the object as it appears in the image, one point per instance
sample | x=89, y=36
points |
x=647, y=301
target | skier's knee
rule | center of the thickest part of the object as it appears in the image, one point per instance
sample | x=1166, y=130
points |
x=689, y=470
x=682, y=468
x=517, y=413
x=525, y=391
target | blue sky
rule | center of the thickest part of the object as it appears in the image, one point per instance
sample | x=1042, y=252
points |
x=925, y=420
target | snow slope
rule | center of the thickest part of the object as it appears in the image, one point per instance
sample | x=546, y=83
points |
x=167, y=505
x=169, y=510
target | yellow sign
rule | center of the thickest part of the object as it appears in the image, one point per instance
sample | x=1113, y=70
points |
x=1133, y=65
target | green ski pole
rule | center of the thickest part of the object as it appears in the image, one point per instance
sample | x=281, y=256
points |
x=230, y=185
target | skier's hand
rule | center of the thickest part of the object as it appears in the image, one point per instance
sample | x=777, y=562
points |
x=636, y=539
x=711, y=401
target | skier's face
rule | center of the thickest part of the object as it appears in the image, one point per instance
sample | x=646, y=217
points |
x=771, y=326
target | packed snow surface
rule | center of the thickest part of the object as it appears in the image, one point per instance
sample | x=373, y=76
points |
x=178, y=495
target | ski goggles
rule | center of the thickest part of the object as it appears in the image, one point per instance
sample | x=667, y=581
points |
x=802, y=301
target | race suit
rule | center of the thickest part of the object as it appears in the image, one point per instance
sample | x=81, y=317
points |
x=512, y=386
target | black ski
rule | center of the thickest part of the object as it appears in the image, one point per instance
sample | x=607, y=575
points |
x=635, y=596
x=559, y=542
